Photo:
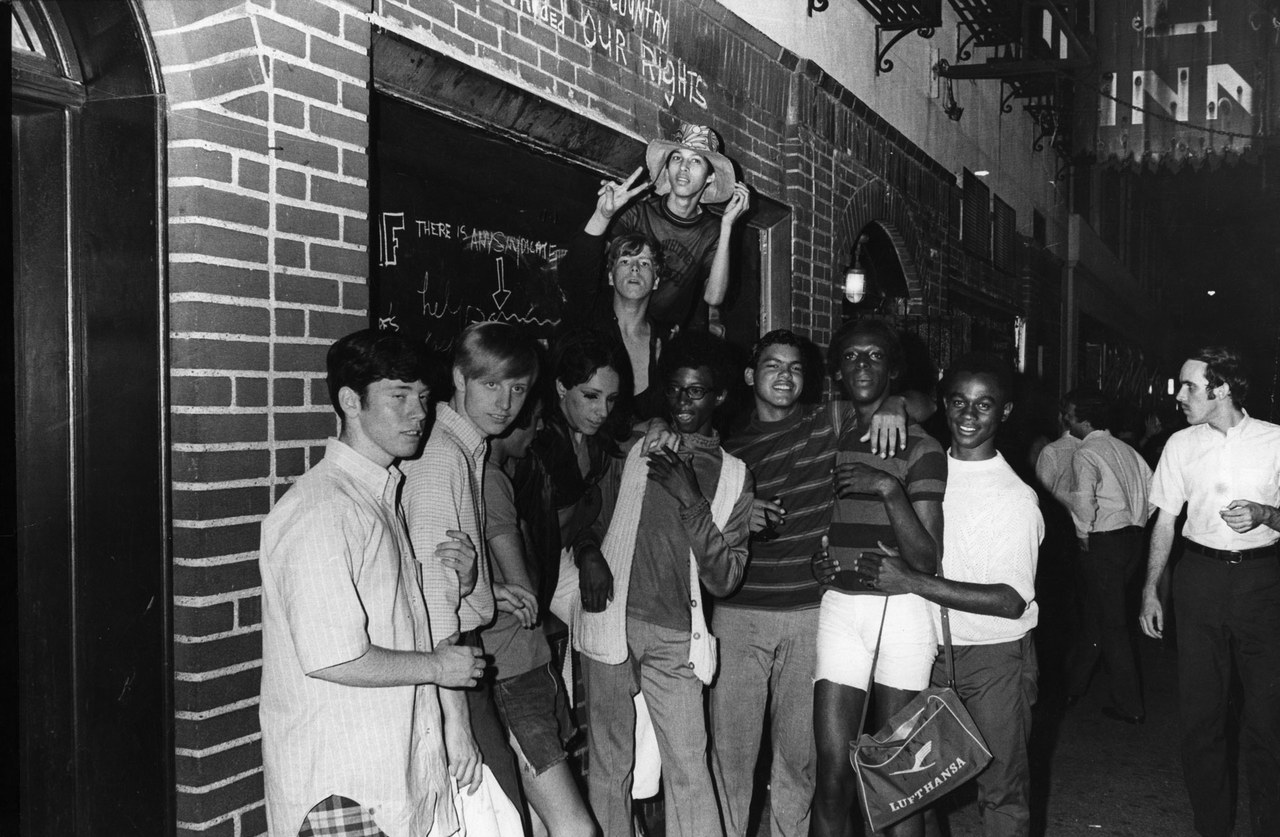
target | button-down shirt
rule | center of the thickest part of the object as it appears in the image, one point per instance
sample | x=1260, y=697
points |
x=444, y=489
x=338, y=576
x=1053, y=467
x=1110, y=482
x=1207, y=469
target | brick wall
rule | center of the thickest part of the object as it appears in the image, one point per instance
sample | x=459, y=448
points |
x=268, y=230
x=267, y=234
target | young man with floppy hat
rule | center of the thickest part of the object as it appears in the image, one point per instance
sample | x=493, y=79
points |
x=685, y=172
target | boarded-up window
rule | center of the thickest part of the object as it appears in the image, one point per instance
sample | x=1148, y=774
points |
x=1004, y=226
x=976, y=230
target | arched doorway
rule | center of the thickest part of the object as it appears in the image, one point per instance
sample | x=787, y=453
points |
x=85, y=506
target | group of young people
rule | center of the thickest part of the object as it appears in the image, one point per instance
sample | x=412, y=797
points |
x=405, y=658
x=792, y=571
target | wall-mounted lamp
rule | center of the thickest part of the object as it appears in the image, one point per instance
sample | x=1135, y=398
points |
x=855, y=278
x=949, y=104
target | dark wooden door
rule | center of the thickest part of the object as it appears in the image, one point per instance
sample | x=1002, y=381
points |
x=85, y=501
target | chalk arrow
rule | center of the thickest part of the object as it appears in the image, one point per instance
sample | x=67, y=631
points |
x=501, y=295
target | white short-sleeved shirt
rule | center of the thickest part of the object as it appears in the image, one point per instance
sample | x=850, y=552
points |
x=338, y=576
x=991, y=534
x=1207, y=469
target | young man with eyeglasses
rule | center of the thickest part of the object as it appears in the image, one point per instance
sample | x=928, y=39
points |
x=680, y=524
x=893, y=502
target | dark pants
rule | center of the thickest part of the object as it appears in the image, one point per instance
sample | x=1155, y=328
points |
x=1107, y=630
x=998, y=686
x=1229, y=615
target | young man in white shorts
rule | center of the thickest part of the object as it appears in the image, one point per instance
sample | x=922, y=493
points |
x=896, y=502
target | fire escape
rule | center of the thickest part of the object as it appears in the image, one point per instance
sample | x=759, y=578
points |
x=1033, y=47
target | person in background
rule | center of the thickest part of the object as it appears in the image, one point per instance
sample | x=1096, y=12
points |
x=680, y=524
x=895, y=501
x=1109, y=485
x=494, y=366
x=1225, y=469
x=1053, y=465
x=986, y=580
x=766, y=628
x=530, y=695
x=685, y=173
x=351, y=728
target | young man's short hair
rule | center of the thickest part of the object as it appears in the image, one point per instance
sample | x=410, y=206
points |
x=1091, y=406
x=692, y=349
x=498, y=349
x=630, y=245
x=777, y=337
x=1225, y=365
x=369, y=355
x=981, y=363
x=883, y=333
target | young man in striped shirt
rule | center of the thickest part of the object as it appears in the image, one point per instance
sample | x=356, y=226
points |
x=766, y=629
x=893, y=502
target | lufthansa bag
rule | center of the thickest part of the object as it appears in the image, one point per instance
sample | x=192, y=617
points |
x=929, y=748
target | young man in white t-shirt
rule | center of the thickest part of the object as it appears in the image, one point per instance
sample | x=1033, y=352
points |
x=992, y=530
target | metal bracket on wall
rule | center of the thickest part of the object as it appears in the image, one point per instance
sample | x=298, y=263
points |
x=924, y=29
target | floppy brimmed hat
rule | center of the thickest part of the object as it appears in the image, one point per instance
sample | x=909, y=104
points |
x=697, y=138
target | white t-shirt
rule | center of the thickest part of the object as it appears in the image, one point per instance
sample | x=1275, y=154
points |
x=991, y=534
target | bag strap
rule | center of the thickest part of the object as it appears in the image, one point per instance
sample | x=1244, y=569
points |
x=946, y=638
x=866, y=704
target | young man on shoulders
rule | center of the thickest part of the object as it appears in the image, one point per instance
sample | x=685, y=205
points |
x=896, y=501
x=494, y=366
x=680, y=524
x=987, y=580
x=1225, y=468
x=350, y=718
x=766, y=628
x=685, y=173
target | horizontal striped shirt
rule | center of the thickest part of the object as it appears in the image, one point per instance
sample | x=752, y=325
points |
x=859, y=522
x=791, y=459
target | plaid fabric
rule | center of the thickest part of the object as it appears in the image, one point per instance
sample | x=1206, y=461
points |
x=338, y=816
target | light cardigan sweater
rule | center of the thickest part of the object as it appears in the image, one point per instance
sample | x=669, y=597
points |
x=603, y=636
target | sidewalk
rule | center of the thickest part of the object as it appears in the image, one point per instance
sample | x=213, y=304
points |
x=1095, y=776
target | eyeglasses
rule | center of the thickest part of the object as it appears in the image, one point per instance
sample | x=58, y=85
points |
x=694, y=391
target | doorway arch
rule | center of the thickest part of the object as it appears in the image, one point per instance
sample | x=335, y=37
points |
x=86, y=507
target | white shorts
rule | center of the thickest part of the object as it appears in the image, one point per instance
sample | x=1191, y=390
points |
x=847, y=628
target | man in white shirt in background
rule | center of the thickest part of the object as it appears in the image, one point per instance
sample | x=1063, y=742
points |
x=1053, y=465
x=1108, y=489
x=1225, y=468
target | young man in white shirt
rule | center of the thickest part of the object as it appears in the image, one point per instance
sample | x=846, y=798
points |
x=991, y=541
x=350, y=718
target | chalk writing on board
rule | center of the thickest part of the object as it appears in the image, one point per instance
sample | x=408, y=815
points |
x=388, y=245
